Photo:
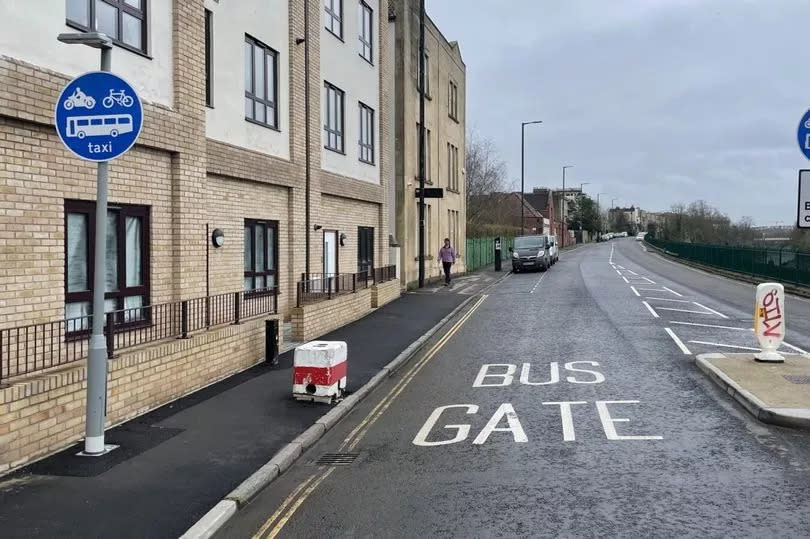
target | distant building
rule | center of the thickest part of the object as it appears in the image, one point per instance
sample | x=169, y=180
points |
x=445, y=140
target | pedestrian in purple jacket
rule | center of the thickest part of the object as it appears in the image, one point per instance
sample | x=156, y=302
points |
x=447, y=256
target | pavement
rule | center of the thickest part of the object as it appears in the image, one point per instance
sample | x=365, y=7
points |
x=178, y=461
x=564, y=403
x=777, y=393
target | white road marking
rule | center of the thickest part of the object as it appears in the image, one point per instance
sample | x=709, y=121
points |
x=670, y=290
x=650, y=281
x=725, y=345
x=682, y=310
x=679, y=342
x=619, y=272
x=794, y=347
x=667, y=299
x=655, y=314
x=708, y=325
x=635, y=291
x=721, y=315
x=625, y=279
x=620, y=267
x=538, y=283
x=633, y=272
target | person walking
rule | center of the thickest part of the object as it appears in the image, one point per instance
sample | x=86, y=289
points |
x=447, y=256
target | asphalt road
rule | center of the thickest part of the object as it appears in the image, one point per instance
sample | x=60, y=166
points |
x=572, y=412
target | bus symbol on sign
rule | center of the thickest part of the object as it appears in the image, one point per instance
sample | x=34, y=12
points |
x=103, y=108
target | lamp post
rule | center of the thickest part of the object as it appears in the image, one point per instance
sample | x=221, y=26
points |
x=97, y=354
x=580, y=187
x=562, y=205
x=522, y=147
x=422, y=148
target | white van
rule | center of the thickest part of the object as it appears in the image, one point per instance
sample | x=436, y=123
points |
x=554, y=250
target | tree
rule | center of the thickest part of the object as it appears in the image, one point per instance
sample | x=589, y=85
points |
x=582, y=213
x=485, y=177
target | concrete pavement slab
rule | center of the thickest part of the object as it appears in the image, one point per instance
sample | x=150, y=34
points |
x=777, y=393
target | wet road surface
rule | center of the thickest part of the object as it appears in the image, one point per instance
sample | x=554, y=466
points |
x=564, y=403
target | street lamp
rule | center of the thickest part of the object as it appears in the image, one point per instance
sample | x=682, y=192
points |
x=97, y=354
x=562, y=205
x=522, y=146
x=580, y=187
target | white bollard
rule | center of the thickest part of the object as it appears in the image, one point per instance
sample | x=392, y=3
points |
x=769, y=321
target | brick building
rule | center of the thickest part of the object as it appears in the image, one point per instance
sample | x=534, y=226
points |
x=445, y=141
x=223, y=147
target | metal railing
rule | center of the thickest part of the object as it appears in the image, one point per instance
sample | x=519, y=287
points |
x=37, y=347
x=325, y=286
x=784, y=264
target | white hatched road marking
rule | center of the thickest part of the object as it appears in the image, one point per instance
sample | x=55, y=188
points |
x=652, y=311
x=668, y=299
x=670, y=290
x=721, y=315
x=794, y=347
x=725, y=345
x=708, y=325
x=683, y=310
x=679, y=342
x=625, y=279
x=635, y=291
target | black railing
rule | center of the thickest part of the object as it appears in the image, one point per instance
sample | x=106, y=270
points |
x=38, y=347
x=385, y=273
x=323, y=286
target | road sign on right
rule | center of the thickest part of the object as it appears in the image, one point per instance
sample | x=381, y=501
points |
x=803, y=134
x=804, y=199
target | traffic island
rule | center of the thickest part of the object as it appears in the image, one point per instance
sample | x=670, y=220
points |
x=777, y=393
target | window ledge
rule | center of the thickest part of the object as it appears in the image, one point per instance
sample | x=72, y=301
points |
x=341, y=152
x=334, y=34
x=261, y=124
x=369, y=62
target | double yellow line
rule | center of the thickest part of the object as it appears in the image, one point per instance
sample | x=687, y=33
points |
x=273, y=525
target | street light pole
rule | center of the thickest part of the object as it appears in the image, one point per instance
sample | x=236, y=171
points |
x=599, y=210
x=562, y=205
x=522, y=148
x=97, y=351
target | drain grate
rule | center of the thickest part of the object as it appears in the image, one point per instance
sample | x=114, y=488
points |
x=337, y=459
x=797, y=379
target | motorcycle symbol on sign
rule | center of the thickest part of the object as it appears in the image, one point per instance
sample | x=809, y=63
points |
x=79, y=99
x=119, y=97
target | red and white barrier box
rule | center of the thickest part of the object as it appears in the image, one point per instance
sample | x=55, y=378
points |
x=319, y=371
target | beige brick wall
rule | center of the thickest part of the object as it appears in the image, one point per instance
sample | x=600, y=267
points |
x=345, y=216
x=46, y=413
x=311, y=321
x=385, y=293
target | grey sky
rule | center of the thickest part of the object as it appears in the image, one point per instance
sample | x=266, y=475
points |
x=654, y=101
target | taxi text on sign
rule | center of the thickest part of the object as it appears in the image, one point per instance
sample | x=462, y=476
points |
x=769, y=320
x=98, y=116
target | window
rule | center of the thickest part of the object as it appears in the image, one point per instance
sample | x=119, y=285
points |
x=261, y=252
x=427, y=76
x=127, y=269
x=452, y=100
x=209, y=58
x=452, y=167
x=123, y=20
x=261, y=72
x=366, y=134
x=365, y=248
x=452, y=227
x=333, y=118
x=366, y=32
x=427, y=152
x=334, y=17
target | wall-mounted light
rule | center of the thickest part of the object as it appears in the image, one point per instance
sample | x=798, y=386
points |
x=343, y=240
x=218, y=237
x=318, y=227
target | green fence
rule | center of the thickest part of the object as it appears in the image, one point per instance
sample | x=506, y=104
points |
x=781, y=264
x=480, y=252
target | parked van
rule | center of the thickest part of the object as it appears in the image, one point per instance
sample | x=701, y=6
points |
x=554, y=250
x=531, y=253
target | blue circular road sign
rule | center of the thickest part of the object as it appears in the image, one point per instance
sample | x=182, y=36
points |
x=804, y=134
x=98, y=116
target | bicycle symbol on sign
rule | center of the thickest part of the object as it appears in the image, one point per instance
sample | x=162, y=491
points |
x=119, y=97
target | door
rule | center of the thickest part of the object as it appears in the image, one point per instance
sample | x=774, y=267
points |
x=330, y=260
x=365, y=248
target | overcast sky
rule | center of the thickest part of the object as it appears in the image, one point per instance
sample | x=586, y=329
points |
x=654, y=101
